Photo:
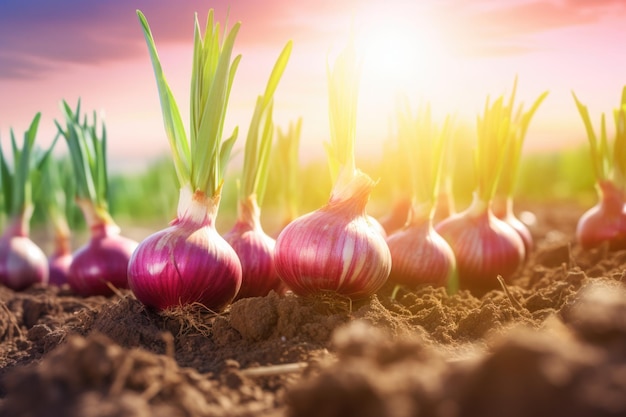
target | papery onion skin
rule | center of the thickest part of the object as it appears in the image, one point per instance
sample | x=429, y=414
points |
x=604, y=222
x=101, y=263
x=374, y=223
x=334, y=249
x=60, y=260
x=22, y=263
x=59, y=267
x=420, y=256
x=397, y=216
x=485, y=247
x=188, y=262
x=182, y=265
x=503, y=209
x=255, y=250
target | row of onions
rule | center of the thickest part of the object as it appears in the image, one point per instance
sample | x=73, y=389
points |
x=336, y=249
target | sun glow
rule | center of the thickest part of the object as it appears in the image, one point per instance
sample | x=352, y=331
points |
x=403, y=55
x=399, y=53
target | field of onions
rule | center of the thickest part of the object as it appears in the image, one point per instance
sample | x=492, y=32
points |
x=424, y=283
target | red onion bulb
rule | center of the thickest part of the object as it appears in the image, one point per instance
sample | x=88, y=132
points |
x=22, y=262
x=255, y=250
x=420, y=256
x=484, y=247
x=102, y=262
x=59, y=261
x=59, y=267
x=605, y=222
x=335, y=248
x=187, y=262
x=503, y=209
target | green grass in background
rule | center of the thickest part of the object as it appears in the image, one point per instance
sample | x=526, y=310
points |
x=149, y=199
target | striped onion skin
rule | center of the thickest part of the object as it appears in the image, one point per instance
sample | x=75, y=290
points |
x=604, y=222
x=188, y=262
x=102, y=262
x=255, y=250
x=22, y=262
x=419, y=255
x=334, y=249
x=484, y=247
x=59, y=268
x=503, y=209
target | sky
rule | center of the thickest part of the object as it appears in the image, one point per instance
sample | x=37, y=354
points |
x=450, y=53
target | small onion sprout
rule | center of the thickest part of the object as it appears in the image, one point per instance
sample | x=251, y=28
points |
x=485, y=247
x=100, y=265
x=419, y=254
x=22, y=262
x=247, y=237
x=605, y=223
x=503, y=206
x=285, y=161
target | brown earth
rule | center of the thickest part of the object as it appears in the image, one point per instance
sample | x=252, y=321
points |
x=552, y=344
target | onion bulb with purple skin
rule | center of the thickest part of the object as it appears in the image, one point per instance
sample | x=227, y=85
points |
x=502, y=203
x=337, y=249
x=100, y=265
x=102, y=262
x=485, y=247
x=22, y=262
x=605, y=223
x=419, y=254
x=189, y=262
x=253, y=246
x=503, y=210
x=255, y=250
x=59, y=263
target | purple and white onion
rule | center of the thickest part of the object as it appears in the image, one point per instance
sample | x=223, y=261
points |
x=503, y=209
x=188, y=262
x=255, y=250
x=335, y=248
x=485, y=247
x=59, y=261
x=102, y=262
x=420, y=255
x=604, y=222
x=22, y=262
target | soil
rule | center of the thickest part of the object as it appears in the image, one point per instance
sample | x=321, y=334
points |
x=551, y=343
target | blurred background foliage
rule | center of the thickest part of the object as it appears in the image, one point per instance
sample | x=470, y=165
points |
x=148, y=199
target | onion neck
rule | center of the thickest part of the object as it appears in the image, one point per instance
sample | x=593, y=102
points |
x=98, y=219
x=249, y=212
x=611, y=197
x=502, y=206
x=351, y=191
x=19, y=224
x=196, y=208
x=420, y=213
x=478, y=207
x=62, y=246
